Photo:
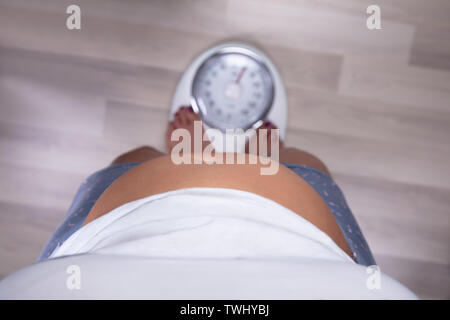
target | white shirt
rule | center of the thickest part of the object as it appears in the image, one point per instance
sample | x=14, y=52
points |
x=200, y=243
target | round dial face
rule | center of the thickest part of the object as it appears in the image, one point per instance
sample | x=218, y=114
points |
x=233, y=89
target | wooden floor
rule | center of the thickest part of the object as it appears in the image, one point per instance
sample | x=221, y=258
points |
x=374, y=105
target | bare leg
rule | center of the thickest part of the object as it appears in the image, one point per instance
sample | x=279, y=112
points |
x=184, y=118
x=141, y=154
x=293, y=155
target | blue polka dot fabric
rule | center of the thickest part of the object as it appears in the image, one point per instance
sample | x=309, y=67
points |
x=88, y=193
x=335, y=200
x=93, y=187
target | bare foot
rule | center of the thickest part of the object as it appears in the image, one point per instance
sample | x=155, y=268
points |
x=255, y=139
x=184, y=118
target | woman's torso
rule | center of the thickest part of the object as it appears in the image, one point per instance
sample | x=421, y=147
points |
x=161, y=175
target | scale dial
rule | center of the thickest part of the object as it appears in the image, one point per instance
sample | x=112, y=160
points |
x=232, y=89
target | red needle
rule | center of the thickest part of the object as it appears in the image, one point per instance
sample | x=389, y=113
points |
x=240, y=75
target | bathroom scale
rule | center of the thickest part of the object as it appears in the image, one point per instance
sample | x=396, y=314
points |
x=233, y=86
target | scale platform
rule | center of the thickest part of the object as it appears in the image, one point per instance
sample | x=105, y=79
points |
x=233, y=86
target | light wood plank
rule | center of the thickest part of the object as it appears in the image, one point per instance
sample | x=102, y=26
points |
x=37, y=223
x=395, y=83
x=34, y=103
x=80, y=154
x=100, y=38
x=323, y=30
x=431, y=47
x=38, y=187
x=393, y=214
x=427, y=280
x=136, y=124
x=97, y=79
x=306, y=68
x=374, y=105
x=421, y=165
x=367, y=118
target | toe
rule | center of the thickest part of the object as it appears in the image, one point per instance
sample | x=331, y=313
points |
x=191, y=115
x=268, y=125
x=178, y=118
x=170, y=129
x=169, y=143
x=185, y=116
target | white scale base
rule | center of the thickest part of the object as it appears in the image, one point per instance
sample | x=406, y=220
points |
x=277, y=114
